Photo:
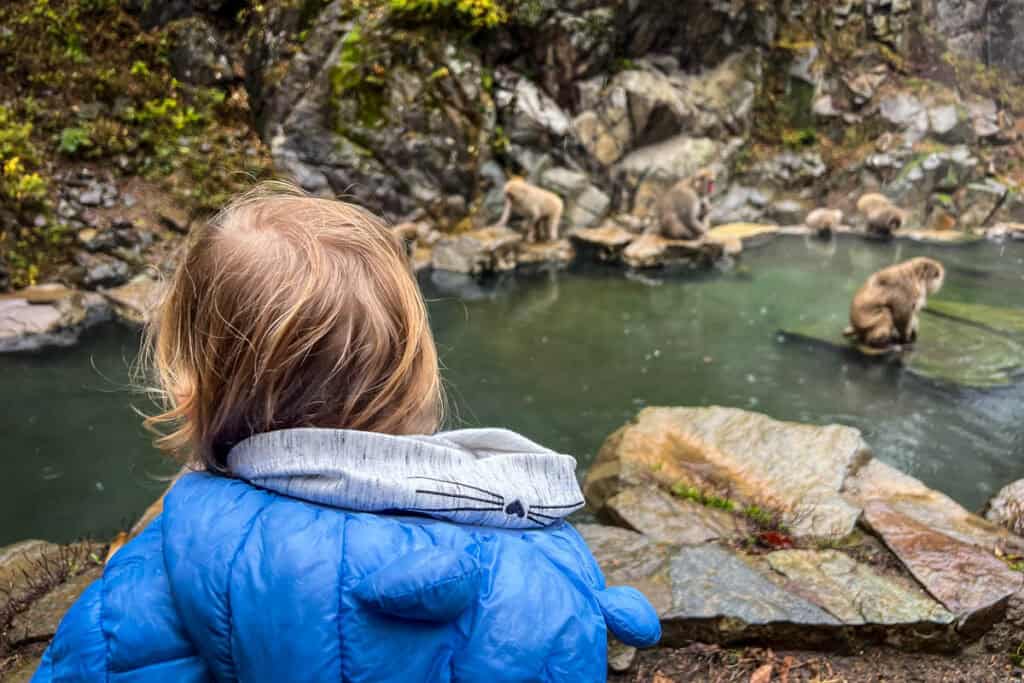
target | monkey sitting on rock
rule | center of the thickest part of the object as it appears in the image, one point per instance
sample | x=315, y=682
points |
x=881, y=215
x=824, y=221
x=537, y=204
x=884, y=311
x=682, y=212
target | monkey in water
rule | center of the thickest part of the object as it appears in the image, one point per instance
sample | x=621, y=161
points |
x=882, y=216
x=682, y=212
x=538, y=205
x=824, y=221
x=884, y=311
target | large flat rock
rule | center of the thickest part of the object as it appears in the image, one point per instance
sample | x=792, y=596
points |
x=668, y=519
x=995, y=318
x=136, y=300
x=949, y=350
x=631, y=559
x=750, y=234
x=488, y=250
x=942, y=237
x=855, y=594
x=559, y=253
x=654, y=251
x=605, y=243
x=879, y=482
x=717, y=597
x=969, y=580
x=797, y=469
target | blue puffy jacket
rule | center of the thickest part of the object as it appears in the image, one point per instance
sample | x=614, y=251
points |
x=233, y=582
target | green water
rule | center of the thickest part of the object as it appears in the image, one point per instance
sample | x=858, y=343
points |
x=566, y=359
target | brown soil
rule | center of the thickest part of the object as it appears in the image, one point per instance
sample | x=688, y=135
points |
x=996, y=658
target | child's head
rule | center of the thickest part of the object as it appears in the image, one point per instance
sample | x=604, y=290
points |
x=291, y=311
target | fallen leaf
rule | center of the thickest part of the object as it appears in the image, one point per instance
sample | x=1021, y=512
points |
x=762, y=675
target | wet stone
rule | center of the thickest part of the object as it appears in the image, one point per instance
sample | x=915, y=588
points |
x=751, y=234
x=654, y=251
x=853, y=592
x=135, y=301
x=717, y=597
x=630, y=559
x=969, y=580
x=902, y=493
x=560, y=253
x=488, y=250
x=605, y=243
x=667, y=519
x=797, y=469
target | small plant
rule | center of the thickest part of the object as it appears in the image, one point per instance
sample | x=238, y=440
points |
x=687, y=492
x=73, y=139
x=476, y=13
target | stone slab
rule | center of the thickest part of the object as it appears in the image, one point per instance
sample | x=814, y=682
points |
x=630, y=559
x=668, y=519
x=968, y=580
x=797, y=469
x=751, y=234
x=136, y=300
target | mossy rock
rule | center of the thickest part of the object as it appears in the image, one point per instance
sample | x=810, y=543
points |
x=961, y=350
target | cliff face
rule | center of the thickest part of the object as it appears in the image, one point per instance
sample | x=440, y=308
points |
x=427, y=107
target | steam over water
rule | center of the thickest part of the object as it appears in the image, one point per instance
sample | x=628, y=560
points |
x=566, y=359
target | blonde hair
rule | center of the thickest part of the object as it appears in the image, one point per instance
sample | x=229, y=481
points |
x=290, y=311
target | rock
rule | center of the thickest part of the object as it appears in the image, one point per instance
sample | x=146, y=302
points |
x=96, y=240
x=949, y=123
x=794, y=468
x=653, y=251
x=1002, y=231
x=92, y=196
x=620, y=657
x=787, y=211
x=980, y=202
x=790, y=170
x=605, y=243
x=877, y=482
x=135, y=301
x=589, y=208
x=905, y=112
x=853, y=593
x=984, y=117
x=674, y=159
x=719, y=598
x=17, y=562
x=101, y=270
x=174, y=217
x=970, y=581
x=1007, y=507
x=534, y=117
x=25, y=326
x=667, y=519
x=1005, y=24
x=488, y=250
x=40, y=620
x=934, y=236
x=560, y=253
x=739, y=204
x=48, y=293
x=750, y=234
x=564, y=182
x=604, y=141
x=631, y=559
x=1009, y=321
x=197, y=53
x=949, y=351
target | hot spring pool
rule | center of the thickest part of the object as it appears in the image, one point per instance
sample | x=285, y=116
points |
x=566, y=359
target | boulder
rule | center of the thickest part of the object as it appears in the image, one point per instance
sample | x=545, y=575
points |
x=27, y=326
x=478, y=252
x=719, y=598
x=671, y=160
x=197, y=53
x=605, y=243
x=653, y=251
x=101, y=270
x=906, y=114
x=794, y=468
x=1007, y=507
x=739, y=204
x=135, y=301
x=854, y=593
x=902, y=494
x=532, y=254
x=631, y=559
x=667, y=519
x=968, y=580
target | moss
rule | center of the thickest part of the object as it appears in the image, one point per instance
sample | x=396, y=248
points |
x=687, y=492
x=64, y=58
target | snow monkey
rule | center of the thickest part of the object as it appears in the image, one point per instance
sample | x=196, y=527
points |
x=537, y=204
x=885, y=309
x=824, y=221
x=882, y=216
x=682, y=212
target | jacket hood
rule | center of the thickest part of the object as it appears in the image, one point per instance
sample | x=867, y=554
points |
x=486, y=477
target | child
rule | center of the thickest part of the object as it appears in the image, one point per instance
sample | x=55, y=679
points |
x=332, y=536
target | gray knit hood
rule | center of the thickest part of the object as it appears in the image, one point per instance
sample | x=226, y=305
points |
x=488, y=477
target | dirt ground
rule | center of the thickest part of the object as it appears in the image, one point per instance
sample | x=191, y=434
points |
x=996, y=658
